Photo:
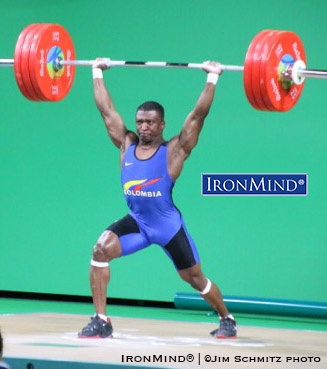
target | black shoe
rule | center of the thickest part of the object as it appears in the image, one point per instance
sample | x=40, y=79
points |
x=227, y=329
x=97, y=328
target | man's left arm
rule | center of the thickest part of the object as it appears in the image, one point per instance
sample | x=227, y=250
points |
x=193, y=124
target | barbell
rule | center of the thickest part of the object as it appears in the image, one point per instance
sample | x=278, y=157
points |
x=274, y=70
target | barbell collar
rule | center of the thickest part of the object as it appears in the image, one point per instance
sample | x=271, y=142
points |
x=313, y=73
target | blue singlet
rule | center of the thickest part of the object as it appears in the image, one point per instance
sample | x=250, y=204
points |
x=147, y=188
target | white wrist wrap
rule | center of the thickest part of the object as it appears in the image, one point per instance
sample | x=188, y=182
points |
x=97, y=73
x=99, y=264
x=212, y=78
x=209, y=284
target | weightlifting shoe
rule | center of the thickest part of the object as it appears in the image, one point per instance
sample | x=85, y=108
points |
x=227, y=329
x=97, y=328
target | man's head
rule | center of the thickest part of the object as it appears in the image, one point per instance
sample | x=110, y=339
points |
x=150, y=121
x=152, y=105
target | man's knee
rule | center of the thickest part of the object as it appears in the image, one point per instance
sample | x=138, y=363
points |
x=194, y=277
x=107, y=247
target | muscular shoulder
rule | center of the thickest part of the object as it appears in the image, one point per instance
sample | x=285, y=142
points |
x=175, y=148
x=176, y=157
x=130, y=138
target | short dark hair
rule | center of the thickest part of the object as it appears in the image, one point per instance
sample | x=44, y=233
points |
x=152, y=105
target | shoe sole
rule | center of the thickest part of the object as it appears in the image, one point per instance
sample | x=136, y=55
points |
x=225, y=337
x=95, y=337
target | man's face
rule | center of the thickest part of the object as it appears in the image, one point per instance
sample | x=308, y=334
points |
x=149, y=125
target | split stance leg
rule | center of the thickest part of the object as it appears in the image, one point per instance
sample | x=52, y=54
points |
x=211, y=293
x=121, y=238
x=106, y=249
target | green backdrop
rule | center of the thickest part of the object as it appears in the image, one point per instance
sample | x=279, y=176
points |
x=60, y=175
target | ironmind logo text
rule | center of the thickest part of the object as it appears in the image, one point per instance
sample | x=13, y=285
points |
x=254, y=184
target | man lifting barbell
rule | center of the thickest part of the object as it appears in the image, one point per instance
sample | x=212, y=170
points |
x=150, y=166
x=273, y=74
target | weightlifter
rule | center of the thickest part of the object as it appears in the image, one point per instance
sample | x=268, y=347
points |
x=150, y=166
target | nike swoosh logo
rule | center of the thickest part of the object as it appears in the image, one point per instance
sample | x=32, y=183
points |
x=127, y=164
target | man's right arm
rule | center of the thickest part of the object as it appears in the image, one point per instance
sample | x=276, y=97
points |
x=112, y=119
x=116, y=128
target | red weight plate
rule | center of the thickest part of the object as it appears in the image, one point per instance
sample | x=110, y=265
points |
x=279, y=94
x=247, y=73
x=50, y=43
x=22, y=85
x=255, y=67
x=259, y=62
x=17, y=57
x=26, y=49
x=264, y=59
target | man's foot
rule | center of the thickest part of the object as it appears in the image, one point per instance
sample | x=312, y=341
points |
x=97, y=328
x=227, y=329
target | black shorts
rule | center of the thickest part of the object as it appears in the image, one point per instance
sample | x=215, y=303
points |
x=181, y=248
